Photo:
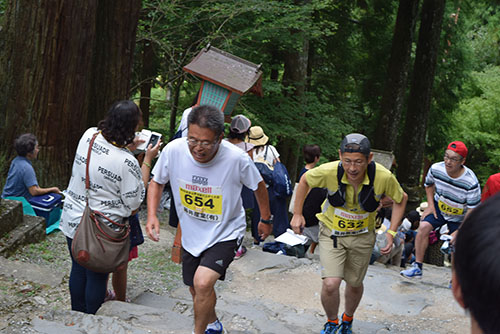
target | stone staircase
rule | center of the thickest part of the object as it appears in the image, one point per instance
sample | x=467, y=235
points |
x=16, y=229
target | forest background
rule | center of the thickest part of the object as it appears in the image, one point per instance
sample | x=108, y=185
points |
x=411, y=75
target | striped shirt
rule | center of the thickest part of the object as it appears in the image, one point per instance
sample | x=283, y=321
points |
x=454, y=195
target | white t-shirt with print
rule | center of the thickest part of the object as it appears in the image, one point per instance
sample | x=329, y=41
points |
x=272, y=154
x=207, y=195
x=116, y=187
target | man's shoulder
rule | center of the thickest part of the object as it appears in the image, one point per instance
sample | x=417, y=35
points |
x=22, y=163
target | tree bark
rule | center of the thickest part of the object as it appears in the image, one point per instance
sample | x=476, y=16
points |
x=386, y=133
x=44, y=62
x=58, y=60
x=294, y=77
x=116, y=26
x=413, y=141
x=147, y=74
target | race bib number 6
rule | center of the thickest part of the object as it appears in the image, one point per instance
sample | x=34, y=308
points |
x=449, y=208
x=349, y=223
x=201, y=202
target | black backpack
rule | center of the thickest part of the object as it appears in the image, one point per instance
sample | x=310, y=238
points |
x=366, y=196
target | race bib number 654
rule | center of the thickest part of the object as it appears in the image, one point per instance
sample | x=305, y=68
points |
x=201, y=202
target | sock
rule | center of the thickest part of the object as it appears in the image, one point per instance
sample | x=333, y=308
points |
x=346, y=318
x=336, y=321
x=419, y=265
x=216, y=325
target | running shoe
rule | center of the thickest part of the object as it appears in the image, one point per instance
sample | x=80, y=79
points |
x=330, y=328
x=240, y=252
x=346, y=327
x=413, y=271
x=215, y=331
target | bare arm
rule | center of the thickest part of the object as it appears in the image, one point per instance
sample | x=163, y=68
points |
x=37, y=191
x=151, y=153
x=298, y=222
x=398, y=210
x=153, y=224
x=262, y=197
x=429, y=191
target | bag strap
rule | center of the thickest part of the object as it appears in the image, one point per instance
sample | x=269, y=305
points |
x=87, y=180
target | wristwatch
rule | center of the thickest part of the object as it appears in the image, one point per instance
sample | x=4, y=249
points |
x=268, y=222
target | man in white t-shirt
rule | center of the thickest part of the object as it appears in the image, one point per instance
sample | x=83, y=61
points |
x=206, y=175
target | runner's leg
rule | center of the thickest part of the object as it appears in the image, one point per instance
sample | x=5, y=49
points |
x=204, y=298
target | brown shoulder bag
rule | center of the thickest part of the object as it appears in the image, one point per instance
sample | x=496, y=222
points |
x=100, y=244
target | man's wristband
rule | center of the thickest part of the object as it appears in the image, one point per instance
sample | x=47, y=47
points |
x=391, y=232
x=265, y=221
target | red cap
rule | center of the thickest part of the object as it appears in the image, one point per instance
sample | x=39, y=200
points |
x=458, y=147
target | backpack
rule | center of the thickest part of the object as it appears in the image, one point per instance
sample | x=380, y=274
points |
x=275, y=176
x=265, y=169
x=178, y=134
x=282, y=185
x=366, y=197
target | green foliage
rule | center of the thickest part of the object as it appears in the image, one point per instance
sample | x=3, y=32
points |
x=476, y=123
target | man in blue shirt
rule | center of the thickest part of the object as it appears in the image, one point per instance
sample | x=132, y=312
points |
x=21, y=180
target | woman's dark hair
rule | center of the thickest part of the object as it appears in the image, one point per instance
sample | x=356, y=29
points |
x=25, y=144
x=477, y=264
x=120, y=123
x=311, y=152
x=235, y=135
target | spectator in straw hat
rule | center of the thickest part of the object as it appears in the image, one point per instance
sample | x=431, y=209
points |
x=264, y=152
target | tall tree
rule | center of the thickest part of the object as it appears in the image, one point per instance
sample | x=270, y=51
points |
x=386, y=133
x=50, y=51
x=116, y=26
x=415, y=129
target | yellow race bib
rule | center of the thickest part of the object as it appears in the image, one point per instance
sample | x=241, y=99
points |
x=349, y=223
x=449, y=208
x=201, y=202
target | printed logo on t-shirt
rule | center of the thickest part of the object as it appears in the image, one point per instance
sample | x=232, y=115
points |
x=201, y=202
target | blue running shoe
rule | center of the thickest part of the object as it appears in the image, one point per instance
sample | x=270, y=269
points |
x=413, y=271
x=330, y=328
x=346, y=327
x=215, y=331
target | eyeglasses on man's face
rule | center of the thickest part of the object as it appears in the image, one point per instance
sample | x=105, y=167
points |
x=203, y=143
x=452, y=159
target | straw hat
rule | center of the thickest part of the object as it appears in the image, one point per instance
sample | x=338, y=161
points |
x=422, y=208
x=257, y=136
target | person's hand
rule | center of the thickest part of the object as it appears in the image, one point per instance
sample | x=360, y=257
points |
x=297, y=224
x=153, y=228
x=264, y=230
x=388, y=247
x=429, y=210
x=152, y=151
x=133, y=145
x=56, y=190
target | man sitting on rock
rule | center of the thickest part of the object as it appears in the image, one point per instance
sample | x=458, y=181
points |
x=452, y=192
x=21, y=180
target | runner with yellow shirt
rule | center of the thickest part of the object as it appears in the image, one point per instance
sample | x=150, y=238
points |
x=355, y=186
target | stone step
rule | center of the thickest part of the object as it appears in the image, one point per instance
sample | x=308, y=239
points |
x=30, y=230
x=11, y=215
